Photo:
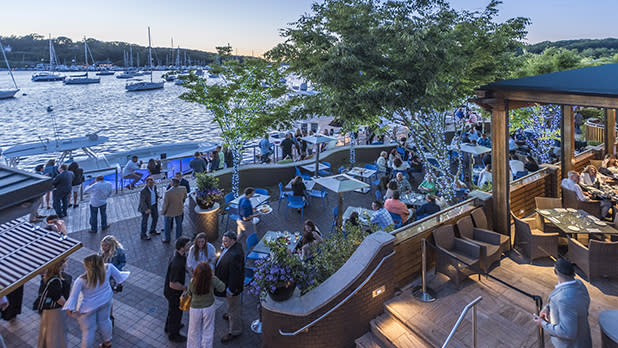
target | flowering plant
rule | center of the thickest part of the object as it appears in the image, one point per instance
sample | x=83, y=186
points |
x=281, y=269
x=208, y=191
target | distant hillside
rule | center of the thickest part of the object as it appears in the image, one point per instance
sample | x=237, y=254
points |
x=595, y=48
x=29, y=50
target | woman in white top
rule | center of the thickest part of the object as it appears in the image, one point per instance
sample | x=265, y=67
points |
x=589, y=175
x=96, y=300
x=485, y=176
x=200, y=251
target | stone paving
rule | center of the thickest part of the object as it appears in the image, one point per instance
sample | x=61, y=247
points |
x=140, y=310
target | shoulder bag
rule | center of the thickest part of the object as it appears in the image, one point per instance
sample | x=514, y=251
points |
x=185, y=301
x=43, y=302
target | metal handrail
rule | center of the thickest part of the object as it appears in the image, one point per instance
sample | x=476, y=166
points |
x=306, y=327
x=538, y=301
x=461, y=316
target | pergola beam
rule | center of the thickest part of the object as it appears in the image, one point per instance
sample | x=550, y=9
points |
x=610, y=131
x=529, y=97
x=567, y=140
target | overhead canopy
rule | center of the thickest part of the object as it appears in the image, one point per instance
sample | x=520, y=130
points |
x=318, y=139
x=26, y=250
x=473, y=149
x=341, y=183
x=18, y=190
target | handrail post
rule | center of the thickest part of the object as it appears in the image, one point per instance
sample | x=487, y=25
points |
x=539, y=306
x=116, y=178
x=474, y=326
x=424, y=295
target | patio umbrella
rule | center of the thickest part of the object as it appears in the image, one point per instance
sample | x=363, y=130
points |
x=318, y=139
x=474, y=150
x=340, y=183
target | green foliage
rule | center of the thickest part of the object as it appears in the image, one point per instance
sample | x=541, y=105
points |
x=551, y=60
x=208, y=192
x=594, y=143
x=205, y=181
x=245, y=105
x=592, y=113
x=595, y=48
x=334, y=252
x=485, y=188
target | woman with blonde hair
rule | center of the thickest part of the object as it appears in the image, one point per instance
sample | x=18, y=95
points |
x=96, y=299
x=200, y=251
x=113, y=252
x=202, y=312
x=589, y=176
x=53, y=291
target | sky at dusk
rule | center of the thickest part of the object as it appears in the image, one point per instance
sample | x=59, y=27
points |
x=252, y=26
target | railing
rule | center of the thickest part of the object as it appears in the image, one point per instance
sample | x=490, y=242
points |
x=306, y=327
x=463, y=314
x=538, y=301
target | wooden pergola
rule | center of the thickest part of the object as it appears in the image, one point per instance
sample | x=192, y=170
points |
x=591, y=87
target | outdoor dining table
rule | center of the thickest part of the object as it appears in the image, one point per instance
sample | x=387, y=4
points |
x=256, y=200
x=364, y=214
x=364, y=174
x=308, y=184
x=574, y=222
x=601, y=192
x=414, y=199
x=261, y=247
x=310, y=167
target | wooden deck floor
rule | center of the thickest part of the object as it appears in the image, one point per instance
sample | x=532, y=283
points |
x=504, y=315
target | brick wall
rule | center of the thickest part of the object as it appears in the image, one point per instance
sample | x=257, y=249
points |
x=341, y=327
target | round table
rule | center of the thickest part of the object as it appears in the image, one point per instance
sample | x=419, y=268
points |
x=608, y=321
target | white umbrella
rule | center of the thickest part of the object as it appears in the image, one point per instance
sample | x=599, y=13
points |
x=318, y=139
x=474, y=150
x=341, y=183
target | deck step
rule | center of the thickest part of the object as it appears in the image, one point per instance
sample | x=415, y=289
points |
x=393, y=334
x=368, y=340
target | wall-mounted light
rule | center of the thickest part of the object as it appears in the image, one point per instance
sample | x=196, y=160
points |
x=379, y=291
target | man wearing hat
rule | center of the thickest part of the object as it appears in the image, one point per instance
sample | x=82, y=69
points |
x=565, y=317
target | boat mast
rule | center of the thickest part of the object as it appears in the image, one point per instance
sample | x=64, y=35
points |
x=51, y=57
x=150, y=54
x=7, y=65
x=85, y=52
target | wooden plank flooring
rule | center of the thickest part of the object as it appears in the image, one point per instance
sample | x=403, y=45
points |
x=504, y=315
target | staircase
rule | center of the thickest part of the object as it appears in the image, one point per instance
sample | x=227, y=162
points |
x=503, y=318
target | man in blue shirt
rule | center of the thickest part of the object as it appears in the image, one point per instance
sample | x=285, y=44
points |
x=245, y=225
x=381, y=217
x=265, y=149
x=428, y=208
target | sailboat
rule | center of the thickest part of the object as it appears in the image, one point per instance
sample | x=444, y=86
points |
x=45, y=76
x=83, y=79
x=8, y=93
x=145, y=85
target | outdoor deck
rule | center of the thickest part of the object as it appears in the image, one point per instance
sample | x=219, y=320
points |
x=504, y=315
x=140, y=310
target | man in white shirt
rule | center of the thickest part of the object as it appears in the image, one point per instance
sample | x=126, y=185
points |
x=130, y=171
x=99, y=190
x=572, y=183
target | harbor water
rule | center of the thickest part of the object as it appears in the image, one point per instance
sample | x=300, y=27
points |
x=130, y=119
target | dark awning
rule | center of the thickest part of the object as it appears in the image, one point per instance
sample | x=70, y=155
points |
x=27, y=250
x=593, y=81
x=18, y=190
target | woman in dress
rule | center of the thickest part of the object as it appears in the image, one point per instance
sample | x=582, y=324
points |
x=78, y=179
x=96, y=299
x=55, y=287
x=202, y=311
x=200, y=251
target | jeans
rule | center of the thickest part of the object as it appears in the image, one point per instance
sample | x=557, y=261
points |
x=174, y=315
x=94, y=217
x=88, y=322
x=154, y=213
x=61, y=202
x=168, y=226
x=201, y=327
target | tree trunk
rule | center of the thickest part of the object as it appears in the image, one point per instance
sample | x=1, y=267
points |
x=352, y=148
x=235, y=175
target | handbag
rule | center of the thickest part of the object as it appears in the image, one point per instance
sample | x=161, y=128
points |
x=43, y=302
x=185, y=301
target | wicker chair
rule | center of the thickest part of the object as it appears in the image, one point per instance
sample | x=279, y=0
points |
x=449, y=246
x=569, y=200
x=479, y=218
x=536, y=243
x=491, y=243
x=598, y=260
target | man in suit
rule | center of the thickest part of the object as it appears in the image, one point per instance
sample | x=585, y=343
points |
x=565, y=317
x=173, y=208
x=230, y=270
x=63, y=184
x=148, y=199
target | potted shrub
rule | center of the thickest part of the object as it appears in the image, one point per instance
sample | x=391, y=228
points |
x=280, y=273
x=208, y=192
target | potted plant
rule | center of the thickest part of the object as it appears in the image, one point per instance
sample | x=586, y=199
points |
x=280, y=273
x=208, y=192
